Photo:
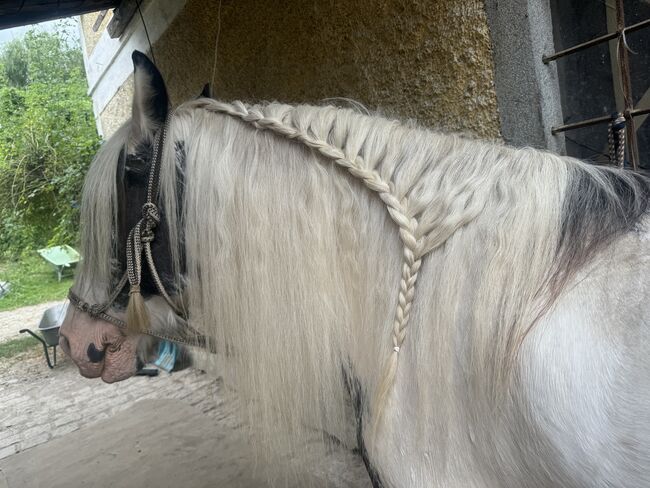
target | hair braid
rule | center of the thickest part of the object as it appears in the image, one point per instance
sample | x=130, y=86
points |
x=397, y=209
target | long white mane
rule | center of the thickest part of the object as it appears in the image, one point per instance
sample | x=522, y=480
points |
x=324, y=248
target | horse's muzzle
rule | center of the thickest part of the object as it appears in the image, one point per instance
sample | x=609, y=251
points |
x=97, y=347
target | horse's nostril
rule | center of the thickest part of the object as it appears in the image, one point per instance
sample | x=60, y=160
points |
x=95, y=355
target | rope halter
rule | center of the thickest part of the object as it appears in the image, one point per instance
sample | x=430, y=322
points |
x=138, y=244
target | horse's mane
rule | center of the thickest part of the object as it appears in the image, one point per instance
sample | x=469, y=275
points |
x=305, y=229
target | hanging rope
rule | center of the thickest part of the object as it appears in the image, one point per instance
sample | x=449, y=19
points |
x=616, y=138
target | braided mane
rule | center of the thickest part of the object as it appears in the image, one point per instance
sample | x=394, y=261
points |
x=430, y=186
x=417, y=239
x=397, y=208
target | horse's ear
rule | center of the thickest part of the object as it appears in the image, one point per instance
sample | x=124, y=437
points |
x=206, y=92
x=150, y=100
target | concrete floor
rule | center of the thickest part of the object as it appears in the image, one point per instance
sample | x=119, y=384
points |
x=157, y=443
x=58, y=429
x=154, y=443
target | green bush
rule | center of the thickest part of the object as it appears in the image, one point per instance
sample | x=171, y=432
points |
x=47, y=140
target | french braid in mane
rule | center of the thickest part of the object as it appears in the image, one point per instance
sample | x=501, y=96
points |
x=415, y=244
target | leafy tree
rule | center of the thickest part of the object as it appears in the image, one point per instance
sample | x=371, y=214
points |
x=47, y=140
x=14, y=63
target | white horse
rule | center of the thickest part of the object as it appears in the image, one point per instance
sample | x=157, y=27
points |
x=466, y=314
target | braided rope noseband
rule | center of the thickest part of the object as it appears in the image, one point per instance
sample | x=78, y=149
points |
x=139, y=242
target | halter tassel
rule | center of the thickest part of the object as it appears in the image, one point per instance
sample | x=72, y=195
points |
x=137, y=316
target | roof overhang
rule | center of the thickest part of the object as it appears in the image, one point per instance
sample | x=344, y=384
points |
x=14, y=13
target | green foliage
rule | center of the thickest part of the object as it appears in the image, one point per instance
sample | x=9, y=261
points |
x=32, y=281
x=47, y=140
x=14, y=63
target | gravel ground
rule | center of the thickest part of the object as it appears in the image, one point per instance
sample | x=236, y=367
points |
x=12, y=321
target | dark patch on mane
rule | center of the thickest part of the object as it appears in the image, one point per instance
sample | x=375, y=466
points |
x=357, y=396
x=598, y=208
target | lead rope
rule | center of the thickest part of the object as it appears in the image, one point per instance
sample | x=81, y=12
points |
x=137, y=318
x=139, y=242
x=616, y=139
x=152, y=215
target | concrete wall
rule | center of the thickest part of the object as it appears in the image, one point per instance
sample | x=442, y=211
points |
x=428, y=60
x=527, y=89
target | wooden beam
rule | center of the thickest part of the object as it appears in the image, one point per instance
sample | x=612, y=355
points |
x=99, y=20
x=121, y=18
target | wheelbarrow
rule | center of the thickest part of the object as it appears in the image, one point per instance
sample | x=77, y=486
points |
x=49, y=330
x=61, y=257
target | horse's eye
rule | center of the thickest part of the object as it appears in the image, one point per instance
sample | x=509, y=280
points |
x=136, y=164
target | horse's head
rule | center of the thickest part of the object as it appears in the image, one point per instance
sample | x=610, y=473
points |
x=99, y=332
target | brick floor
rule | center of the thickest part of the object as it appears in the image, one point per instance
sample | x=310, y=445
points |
x=38, y=404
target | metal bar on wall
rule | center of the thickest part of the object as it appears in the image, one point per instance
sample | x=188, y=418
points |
x=610, y=14
x=593, y=42
x=623, y=65
x=604, y=119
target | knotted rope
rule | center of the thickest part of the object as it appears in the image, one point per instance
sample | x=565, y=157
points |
x=139, y=241
x=140, y=237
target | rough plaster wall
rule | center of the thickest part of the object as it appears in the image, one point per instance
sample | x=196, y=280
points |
x=91, y=37
x=423, y=59
x=118, y=110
